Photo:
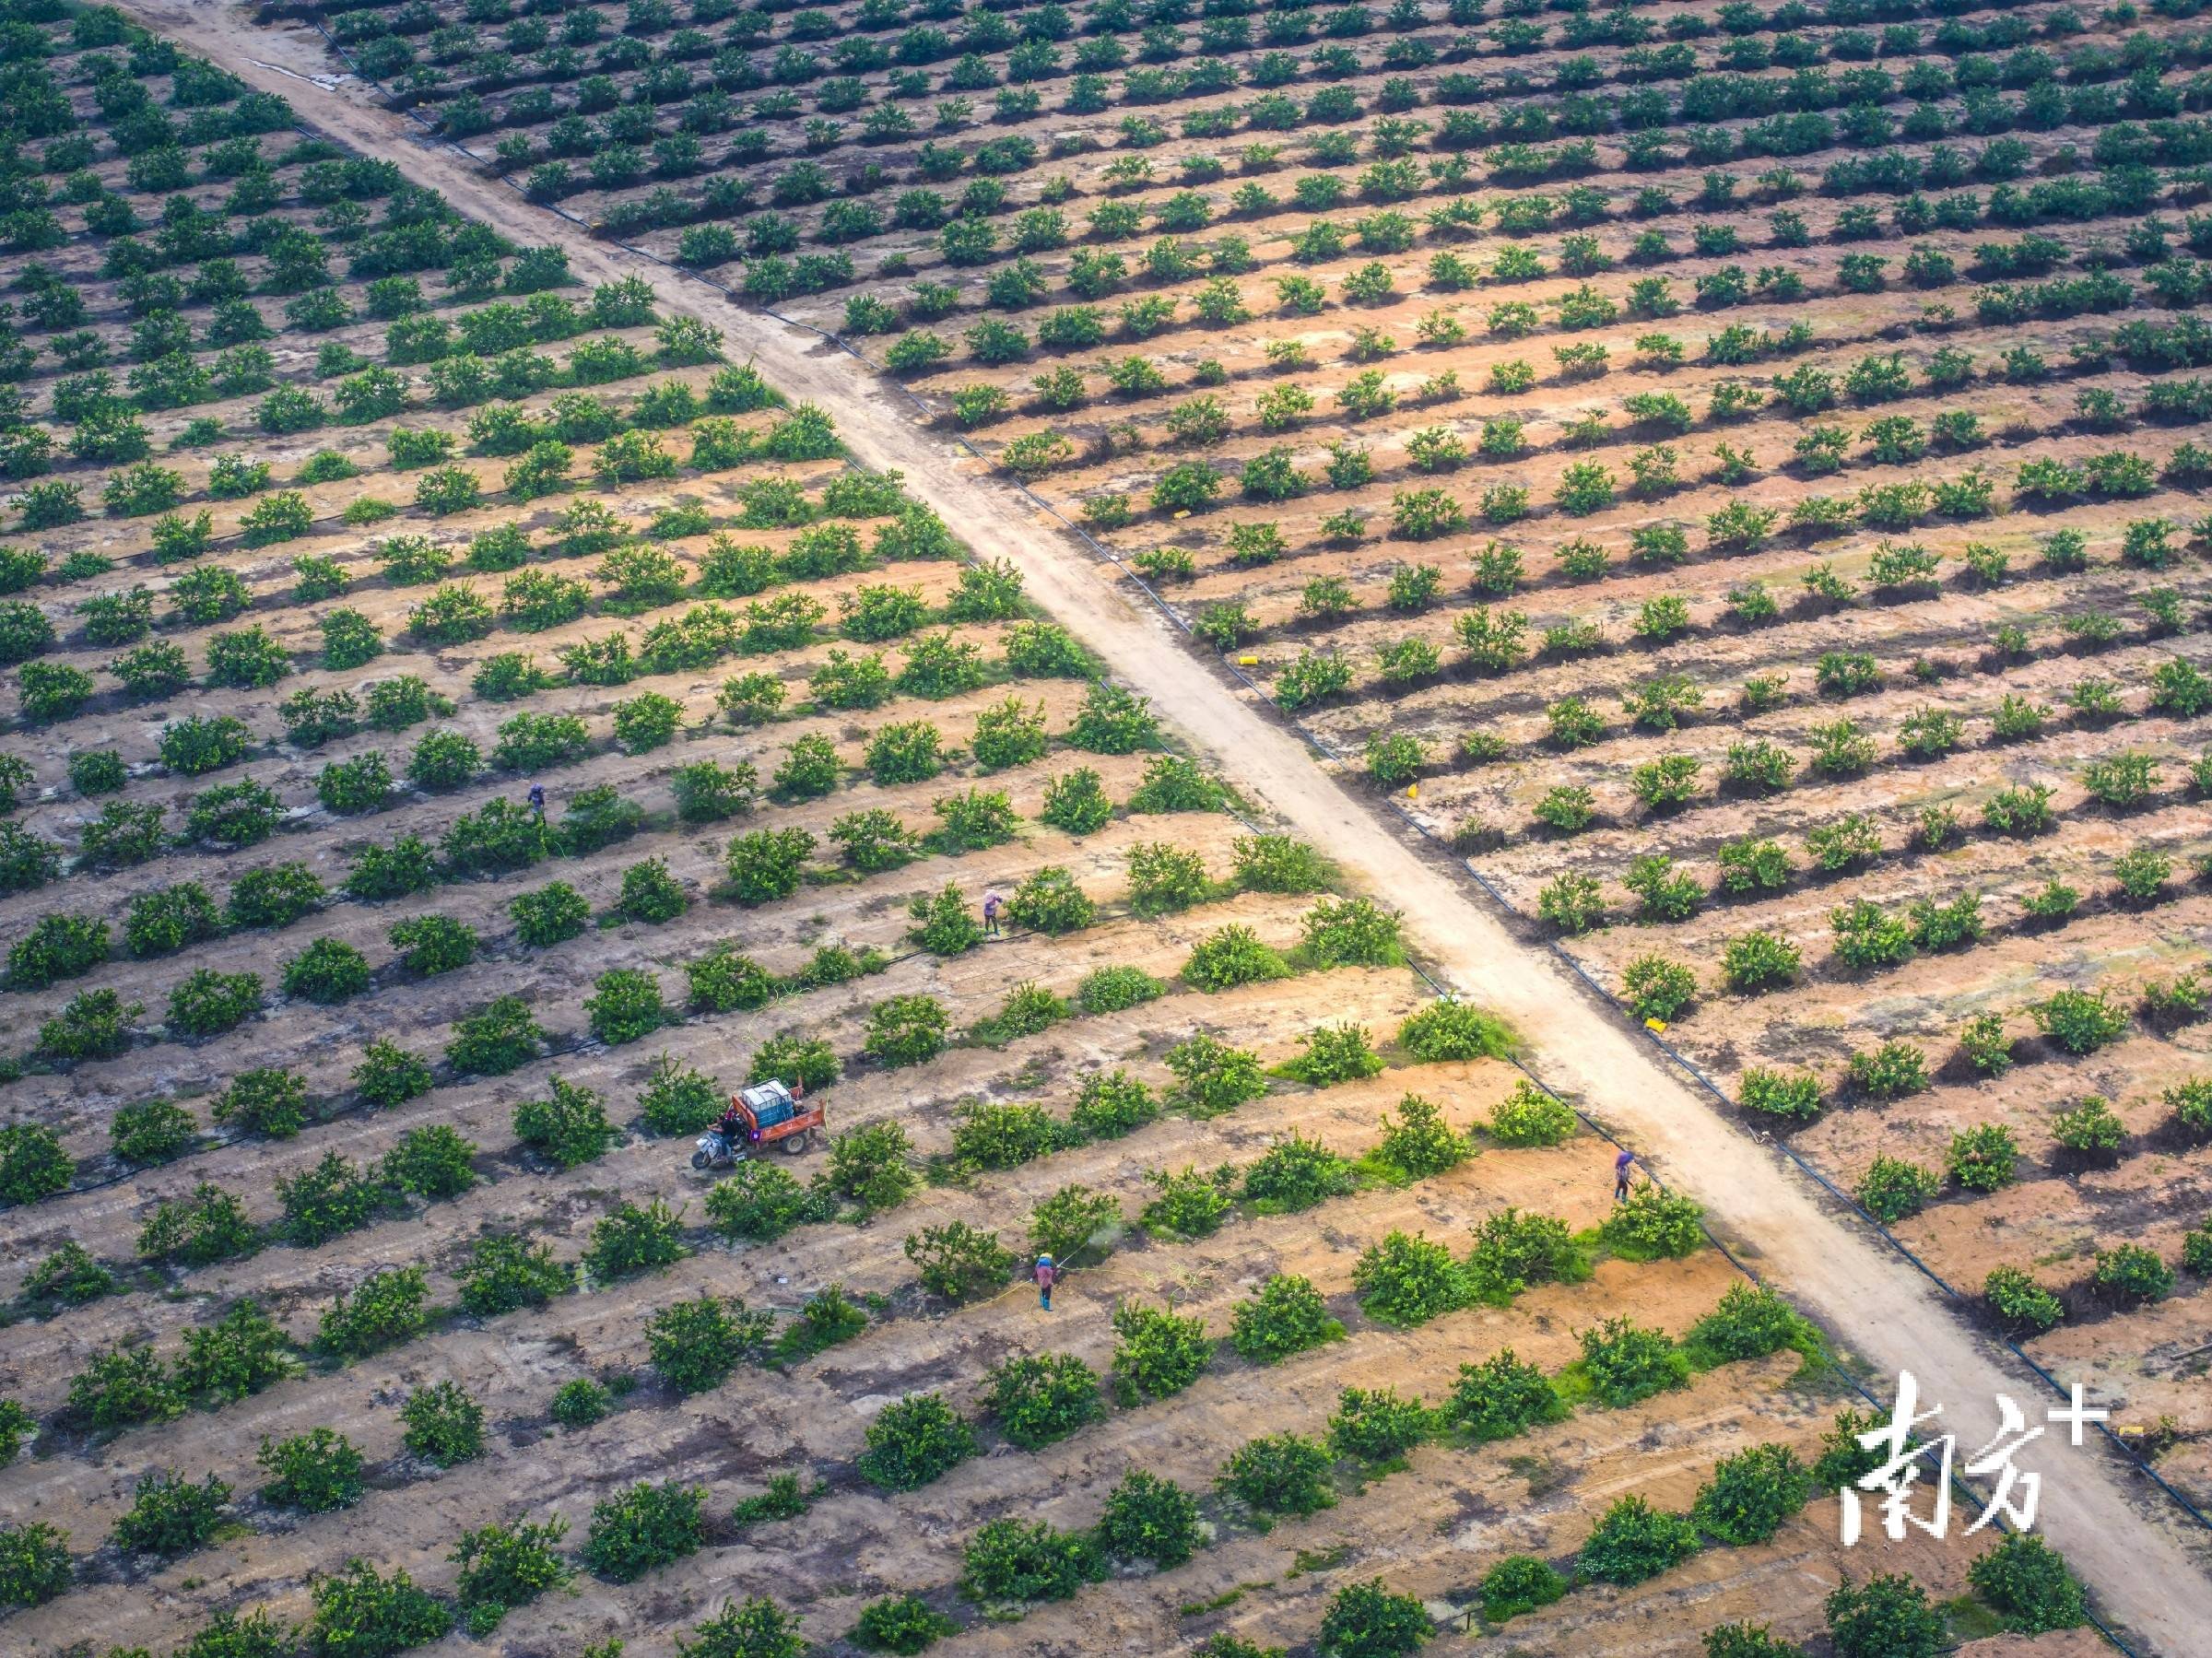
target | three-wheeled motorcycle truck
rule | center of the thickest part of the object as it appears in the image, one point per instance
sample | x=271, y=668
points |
x=763, y=1116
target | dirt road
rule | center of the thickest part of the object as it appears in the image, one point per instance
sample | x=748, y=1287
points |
x=2148, y=1568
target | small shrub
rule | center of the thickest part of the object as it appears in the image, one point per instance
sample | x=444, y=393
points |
x=32, y=1163
x=1886, y=1617
x=507, y=1565
x=1983, y=1159
x=625, y=1004
x=679, y=1100
x=1110, y=1104
x=2090, y=1130
x=384, y=1310
x=695, y=1345
x=1633, y=1541
x=2028, y=1581
x=170, y=1515
x=1519, y=1583
x=1049, y=901
x=1156, y=1353
x=901, y=1624
x=906, y=1031
x=643, y=1529
x=1514, y=1249
x=632, y=1238
x=1756, y=960
x=914, y=1442
x=265, y=1102
x=1213, y=1078
x=1448, y=1030
x=1408, y=1280
x=504, y=1273
x=240, y=1354
x=1280, y=1474
x=1790, y=1098
x=1653, y=1224
x=1626, y=1363
x=1747, y=1322
x=1335, y=1054
x=1285, y=1315
x=325, y=1201
x=1147, y=1518
x=209, y=1225
x=1071, y=1220
x=723, y=979
x=1350, y=932
x=388, y=1075
x=1117, y=988
x=1750, y=1494
x=1417, y=1142
x=2081, y=1021
x=1295, y=1174
x=57, y=947
x=1889, y=1072
x=70, y=1275
x=760, y=1201
x=579, y=1403
x=1190, y=1204
x=569, y=1125
x=1377, y=1425
x=1528, y=1116
x=2130, y=1276
x=207, y=1002
x=1232, y=956
x=2022, y=1305
x=122, y=1387
x=1076, y=803
x=958, y=1260
x=1011, y=1561
x=443, y=1425
x=871, y=1166
x=798, y=1062
x=1501, y=1397
x=945, y=924
x=34, y=1564
x=313, y=1472
x=1365, y=1620
x=328, y=971
x=1891, y=1189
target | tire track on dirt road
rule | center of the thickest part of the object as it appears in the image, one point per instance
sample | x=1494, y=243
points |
x=2148, y=1566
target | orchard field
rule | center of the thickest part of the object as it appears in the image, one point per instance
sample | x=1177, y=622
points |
x=1737, y=469
x=361, y=1298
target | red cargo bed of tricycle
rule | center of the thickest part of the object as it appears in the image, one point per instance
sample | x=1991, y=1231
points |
x=794, y=1135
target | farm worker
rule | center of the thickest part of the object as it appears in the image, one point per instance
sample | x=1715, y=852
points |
x=537, y=800
x=991, y=903
x=1621, y=1166
x=1046, y=1273
x=732, y=1126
